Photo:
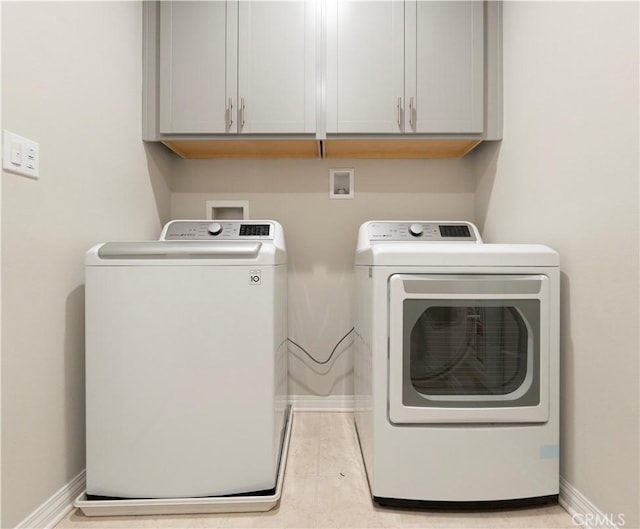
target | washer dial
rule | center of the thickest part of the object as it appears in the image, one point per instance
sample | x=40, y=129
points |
x=416, y=230
x=215, y=228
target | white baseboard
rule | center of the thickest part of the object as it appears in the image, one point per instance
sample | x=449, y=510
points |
x=584, y=513
x=55, y=508
x=330, y=403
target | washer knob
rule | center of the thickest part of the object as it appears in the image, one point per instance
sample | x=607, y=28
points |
x=416, y=230
x=215, y=228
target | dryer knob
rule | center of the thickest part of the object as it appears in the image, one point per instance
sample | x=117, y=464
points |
x=214, y=228
x=416, y=230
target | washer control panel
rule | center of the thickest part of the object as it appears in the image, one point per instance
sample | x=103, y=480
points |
x=423, y=231
x=208, y=230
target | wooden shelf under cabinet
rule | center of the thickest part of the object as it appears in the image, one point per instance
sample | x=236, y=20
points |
x=210, y=149
x=399, y=149
x=330, y=148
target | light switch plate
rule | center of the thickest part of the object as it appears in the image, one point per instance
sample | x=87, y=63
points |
x=20, y=155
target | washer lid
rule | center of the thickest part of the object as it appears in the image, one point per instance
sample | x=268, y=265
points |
x=199, y=243
x=185, y=253
x=178, y=250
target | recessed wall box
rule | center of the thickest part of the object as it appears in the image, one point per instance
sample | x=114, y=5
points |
x=341, y=183
x=227, y=209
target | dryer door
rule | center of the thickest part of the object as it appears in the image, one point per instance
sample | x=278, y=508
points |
x=468, y=348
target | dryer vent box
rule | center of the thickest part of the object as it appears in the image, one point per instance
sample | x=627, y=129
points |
x=341, y=183
x=227, y=209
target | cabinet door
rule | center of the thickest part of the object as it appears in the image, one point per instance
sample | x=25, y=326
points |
x=365, y=66
x=276, y=66
x=444, y=66
x=196, y=46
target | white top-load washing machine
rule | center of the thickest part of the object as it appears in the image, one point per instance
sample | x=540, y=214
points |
x=186, y=365
x=456, y=364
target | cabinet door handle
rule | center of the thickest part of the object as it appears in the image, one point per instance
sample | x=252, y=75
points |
x=411, y=111
x=242, y=111
x=230, y=113
x=400, y=112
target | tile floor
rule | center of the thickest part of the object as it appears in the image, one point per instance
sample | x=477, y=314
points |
x=325, y=487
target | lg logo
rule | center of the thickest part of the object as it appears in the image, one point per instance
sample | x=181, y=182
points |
x=255, y=277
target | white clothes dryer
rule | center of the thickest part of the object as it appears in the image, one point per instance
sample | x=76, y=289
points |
x=186, y=362
x=456, y=365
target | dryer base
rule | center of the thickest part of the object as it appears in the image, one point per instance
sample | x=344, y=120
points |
x=466, y=505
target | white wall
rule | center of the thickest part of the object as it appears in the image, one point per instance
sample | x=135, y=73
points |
x=71, y=80
x=567, y=175
x=321, y=234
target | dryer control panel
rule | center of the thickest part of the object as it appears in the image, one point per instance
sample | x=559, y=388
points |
x=425, y=231
x=209, y=230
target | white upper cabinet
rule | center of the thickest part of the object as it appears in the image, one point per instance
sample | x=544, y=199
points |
x=343, y=68
x=237, y=67
x=413, y=66
x=277, y=67
x=444, y=66
x=194, y=42
x=365, y=66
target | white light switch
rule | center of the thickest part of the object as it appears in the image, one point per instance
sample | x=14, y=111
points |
x=20, y=155
x=16, y=153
